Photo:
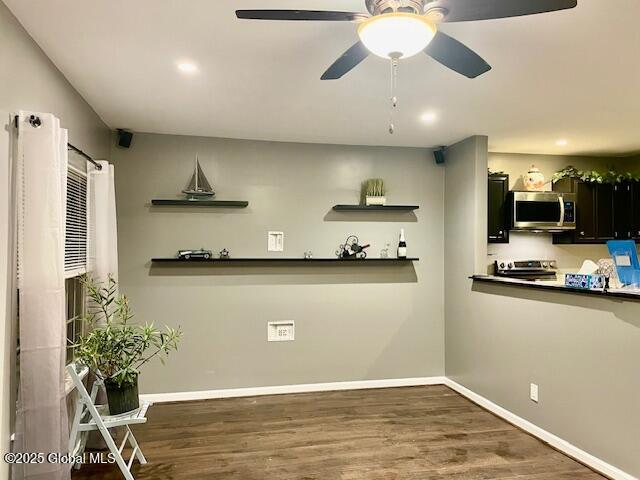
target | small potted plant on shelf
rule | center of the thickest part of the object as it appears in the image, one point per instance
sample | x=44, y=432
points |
x=114, y=349
x=375, y=192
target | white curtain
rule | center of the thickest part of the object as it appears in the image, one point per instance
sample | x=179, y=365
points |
x=103, y=241
x=41, y=423
x=103, y=250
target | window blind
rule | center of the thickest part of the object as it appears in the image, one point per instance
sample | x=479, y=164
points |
x=76, y=235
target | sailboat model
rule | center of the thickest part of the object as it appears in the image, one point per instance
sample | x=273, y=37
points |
x=199, y=186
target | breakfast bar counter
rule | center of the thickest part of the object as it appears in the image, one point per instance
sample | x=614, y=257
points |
x=619, y=293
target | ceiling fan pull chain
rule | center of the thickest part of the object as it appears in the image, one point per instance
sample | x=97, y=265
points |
x=394, y=98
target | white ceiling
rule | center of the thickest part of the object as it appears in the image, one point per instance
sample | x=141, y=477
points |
x=573, y=74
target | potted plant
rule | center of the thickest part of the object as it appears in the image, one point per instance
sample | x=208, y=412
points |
x=375, y=192
x=114, y=349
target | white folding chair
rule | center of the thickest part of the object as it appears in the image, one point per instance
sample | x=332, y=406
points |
x=89, y=417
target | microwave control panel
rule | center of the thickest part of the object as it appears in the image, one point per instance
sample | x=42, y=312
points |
x=569, y=212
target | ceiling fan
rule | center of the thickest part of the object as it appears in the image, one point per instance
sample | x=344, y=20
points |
x=395, y=29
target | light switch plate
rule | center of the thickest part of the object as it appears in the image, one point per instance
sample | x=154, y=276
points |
x=533, y=392
x=281, y=331
x=275, y=241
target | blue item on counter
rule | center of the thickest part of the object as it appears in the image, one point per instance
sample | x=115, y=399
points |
x=584, y=281
x=625, y=258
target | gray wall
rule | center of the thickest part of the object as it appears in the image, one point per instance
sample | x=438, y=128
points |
x=582, y=352
x=352, y=322
x=29, y=81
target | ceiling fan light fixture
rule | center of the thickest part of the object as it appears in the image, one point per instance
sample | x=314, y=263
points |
x=397, y=34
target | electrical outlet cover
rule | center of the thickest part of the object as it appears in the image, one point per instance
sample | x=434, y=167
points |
x=281, y=331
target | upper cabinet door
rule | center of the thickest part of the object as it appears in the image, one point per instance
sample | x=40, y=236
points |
x=585, y=213
x=635, y=210
x=497, y=221
x=623, y=211
x=604, y=213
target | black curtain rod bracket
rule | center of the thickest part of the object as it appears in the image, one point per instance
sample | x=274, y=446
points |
x=35, y=122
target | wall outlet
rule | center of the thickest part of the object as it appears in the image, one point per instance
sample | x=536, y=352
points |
x=275, y=241
x=281, y=331
x=533, y=392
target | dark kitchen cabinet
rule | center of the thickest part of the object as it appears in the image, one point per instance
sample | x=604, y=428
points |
x=605, y=229
x=595, y=213
x=498, y=221
x=623, y=211
x=626, y=205
x=635, y=214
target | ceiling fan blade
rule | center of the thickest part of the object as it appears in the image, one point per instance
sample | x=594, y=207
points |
x=349, y=59
x=466, y=10
x=456, y=56
x=319, y=15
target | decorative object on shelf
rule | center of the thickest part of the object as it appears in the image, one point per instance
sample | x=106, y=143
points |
x=114, y=350
x=402, y=245
x=534, y=180
x=496, y=172
x=384, y=253
x=374, y=192
x=308, y=255
x=352, y=249
x=199, y=187
x=611, y=176
x=194, y=254
x=224, y=254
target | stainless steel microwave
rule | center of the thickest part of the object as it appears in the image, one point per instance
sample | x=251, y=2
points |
x=543, y=211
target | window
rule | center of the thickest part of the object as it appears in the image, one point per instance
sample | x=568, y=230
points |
x=75, y=248
x=75, y=301
x=75, y=255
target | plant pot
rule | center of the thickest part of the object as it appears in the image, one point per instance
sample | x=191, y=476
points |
x=369, y=200
x=123, y=398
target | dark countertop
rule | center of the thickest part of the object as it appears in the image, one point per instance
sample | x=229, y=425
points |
x=557, y=287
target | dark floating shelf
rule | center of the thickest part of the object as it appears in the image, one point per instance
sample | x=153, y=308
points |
x=217, y=261
x=200, y=203
x=375, y=208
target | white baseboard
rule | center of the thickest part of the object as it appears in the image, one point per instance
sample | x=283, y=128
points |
x=547, y=437
x=282, y=389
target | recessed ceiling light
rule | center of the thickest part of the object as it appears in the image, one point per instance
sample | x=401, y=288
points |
x=562, y=142
x=429, y=117
x=187, y=67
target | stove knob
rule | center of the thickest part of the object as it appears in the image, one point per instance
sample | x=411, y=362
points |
x=545, y=264
x=502, y=265
x=510, y=265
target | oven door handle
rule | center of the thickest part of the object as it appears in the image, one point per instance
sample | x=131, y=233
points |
x=561, y=200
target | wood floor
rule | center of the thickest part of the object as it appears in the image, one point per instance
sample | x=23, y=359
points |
x=396, y=433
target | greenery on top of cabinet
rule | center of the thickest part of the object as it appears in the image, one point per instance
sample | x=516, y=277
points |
x=611, y=176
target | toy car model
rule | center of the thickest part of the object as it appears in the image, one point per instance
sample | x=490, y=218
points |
x=194, y=254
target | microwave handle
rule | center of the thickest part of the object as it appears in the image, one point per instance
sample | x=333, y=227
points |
x=561, y=200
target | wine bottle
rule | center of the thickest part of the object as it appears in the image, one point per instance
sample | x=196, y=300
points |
x=402, y=245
